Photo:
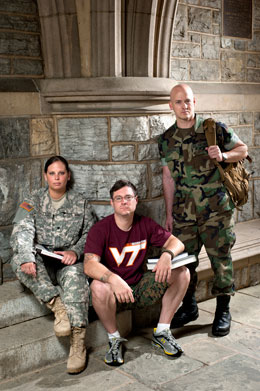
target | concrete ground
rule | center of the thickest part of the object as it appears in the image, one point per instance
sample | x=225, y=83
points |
x=208, y=364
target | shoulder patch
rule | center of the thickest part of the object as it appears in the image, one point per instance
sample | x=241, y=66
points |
x=26, y=206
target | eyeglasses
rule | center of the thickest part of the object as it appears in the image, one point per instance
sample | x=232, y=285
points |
x=127, y=198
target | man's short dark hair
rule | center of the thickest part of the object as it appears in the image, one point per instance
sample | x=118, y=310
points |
x=120, y=184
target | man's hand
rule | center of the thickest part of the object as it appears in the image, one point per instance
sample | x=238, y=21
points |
x=168, y=223
x=29, y=268
x=162, y=269
x=214, y=153
x=69, y=257
x=121, y=289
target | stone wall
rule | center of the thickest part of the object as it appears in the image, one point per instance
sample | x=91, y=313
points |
x=200, y=52
x=20, y=46
x=100, y=151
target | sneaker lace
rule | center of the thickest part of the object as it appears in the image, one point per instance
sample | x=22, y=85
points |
x=115, y=344
x=172, y=341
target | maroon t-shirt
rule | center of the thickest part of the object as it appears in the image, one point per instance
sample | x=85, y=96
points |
x=124, y=252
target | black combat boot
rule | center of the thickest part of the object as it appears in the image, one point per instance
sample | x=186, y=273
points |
x=187, y=312
x=222, y=320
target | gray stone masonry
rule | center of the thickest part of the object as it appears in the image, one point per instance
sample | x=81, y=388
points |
x=20, y=46
x=197, y=35
x=22, y=23
x=15, y=180
x=129, y=129
x=19, y=6
x=84, y=138
x=96, y=180
x=123, y=152
x=15, y=138
x=27, y=67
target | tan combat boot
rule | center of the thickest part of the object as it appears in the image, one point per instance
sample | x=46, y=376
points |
x=77, y=356
x=61, y=323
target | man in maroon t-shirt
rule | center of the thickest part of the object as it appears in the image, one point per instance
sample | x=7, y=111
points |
x=115, y=250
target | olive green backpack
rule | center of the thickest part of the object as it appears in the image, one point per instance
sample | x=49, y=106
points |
x=234, y=176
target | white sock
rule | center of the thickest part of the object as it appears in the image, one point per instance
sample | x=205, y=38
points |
x=114, y=335
x=162, y=326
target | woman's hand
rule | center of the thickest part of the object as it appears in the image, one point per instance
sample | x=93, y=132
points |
x=29, y=268
x=69, y=257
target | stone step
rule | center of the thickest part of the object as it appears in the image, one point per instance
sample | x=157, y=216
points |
x=32, y=344
x=27, y=339
x=18, y=304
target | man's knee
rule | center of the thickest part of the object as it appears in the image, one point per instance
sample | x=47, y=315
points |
x=100, y=291
x=180, y=275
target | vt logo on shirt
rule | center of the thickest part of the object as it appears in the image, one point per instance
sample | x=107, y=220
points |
x=133, y=248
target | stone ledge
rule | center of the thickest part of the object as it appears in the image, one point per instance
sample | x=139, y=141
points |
x=138, y=94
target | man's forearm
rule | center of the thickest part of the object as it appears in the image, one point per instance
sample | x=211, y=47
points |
x=237, y=153
x=94, y=269
x=168, y=191
x=174, y=245
x=105, y=276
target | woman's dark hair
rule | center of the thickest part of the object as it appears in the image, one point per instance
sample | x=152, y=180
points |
x=54, y=159
x=120, y=184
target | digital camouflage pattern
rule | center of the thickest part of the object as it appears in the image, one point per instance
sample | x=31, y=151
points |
x=146, y=292
x=37, y=222
x=202, y=209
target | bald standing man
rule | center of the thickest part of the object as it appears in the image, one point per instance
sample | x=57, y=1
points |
x=199, y=210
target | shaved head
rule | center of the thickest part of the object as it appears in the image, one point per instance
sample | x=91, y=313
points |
x=181, y=87
x=183, y=104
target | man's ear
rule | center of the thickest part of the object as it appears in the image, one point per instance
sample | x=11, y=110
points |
x=111, y=202
x=45, y=177
x=170, y=104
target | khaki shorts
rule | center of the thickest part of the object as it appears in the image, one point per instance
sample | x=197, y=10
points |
x=146, y=292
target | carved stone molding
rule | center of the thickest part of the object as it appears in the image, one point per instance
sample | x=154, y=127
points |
x=108, y=94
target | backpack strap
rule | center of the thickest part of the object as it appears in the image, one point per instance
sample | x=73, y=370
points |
x=209, y=126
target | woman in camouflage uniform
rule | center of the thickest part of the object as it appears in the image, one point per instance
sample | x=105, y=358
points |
x=59, y=219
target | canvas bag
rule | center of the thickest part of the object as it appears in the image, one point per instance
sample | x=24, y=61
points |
x=234, y=176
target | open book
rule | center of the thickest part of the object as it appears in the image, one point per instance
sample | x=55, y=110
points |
x=180, y=260
x=43, y=251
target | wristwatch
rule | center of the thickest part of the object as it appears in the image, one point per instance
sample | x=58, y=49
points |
x=224, y=157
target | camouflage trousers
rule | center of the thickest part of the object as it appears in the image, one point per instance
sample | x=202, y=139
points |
x=146, y=292
x=216, y=233
x=53, y=279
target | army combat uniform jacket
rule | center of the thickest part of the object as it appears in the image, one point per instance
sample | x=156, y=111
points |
x=202, y=208
x=37, y=222
x=65, y=228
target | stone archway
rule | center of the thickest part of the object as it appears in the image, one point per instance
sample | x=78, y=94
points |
x=106, y=38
